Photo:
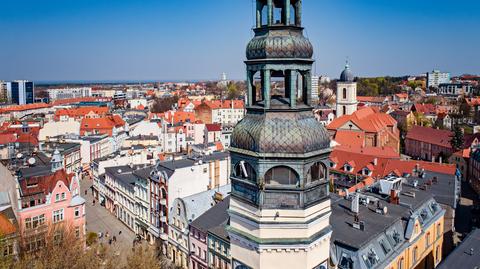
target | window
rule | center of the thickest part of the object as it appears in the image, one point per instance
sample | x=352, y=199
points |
x=57, y=197
x=344, y=110
x=438, y=254
x=57, y=238
x=32, y=223
x=316, y=172
x=77, y=212
x=281, y=175
x=63, y=196
x=244, y=170
x=400, y=264
x=386, y=249
x=414, y=255
x=77, y=232
x=8, y=250
x=439, y=229
x=344, y=93
x=427, y=240
x=58, y=215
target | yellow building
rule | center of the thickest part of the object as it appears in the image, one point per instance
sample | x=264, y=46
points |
x=374, y=230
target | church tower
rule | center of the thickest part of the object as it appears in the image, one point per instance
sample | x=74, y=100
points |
x=346, y=93
x=280, y=206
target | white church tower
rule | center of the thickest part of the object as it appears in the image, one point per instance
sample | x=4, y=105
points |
x=346, y=93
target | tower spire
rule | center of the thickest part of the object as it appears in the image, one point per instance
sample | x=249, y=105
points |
x=279, y=152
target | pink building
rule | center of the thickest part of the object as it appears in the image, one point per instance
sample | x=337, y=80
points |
x=49, y=203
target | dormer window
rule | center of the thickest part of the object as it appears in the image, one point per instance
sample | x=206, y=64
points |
x=347, y=168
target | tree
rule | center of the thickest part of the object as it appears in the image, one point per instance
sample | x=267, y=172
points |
x=69, y=252
x=232, y=91
x=145, y=257
x=164, y=104
x=457, y=139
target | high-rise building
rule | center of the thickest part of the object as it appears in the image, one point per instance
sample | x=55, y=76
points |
x=346, y=93
x=315, y=93
x=280, y=207
x=3, y=91
x=435, y=78
x=21, y=92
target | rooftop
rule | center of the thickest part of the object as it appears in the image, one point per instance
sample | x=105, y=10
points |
x=213, y=217
x=466, y=255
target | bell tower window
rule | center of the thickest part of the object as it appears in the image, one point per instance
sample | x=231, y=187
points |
x=278, y=12
x=344, y=93
x=281, y=175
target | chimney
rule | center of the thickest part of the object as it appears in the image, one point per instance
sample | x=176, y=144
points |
x=355, y=203
x=394, y=198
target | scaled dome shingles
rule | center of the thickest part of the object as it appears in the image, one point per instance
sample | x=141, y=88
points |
x=281, y=132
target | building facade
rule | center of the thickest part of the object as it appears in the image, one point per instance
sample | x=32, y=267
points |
x=21, y=92
x=435, y=78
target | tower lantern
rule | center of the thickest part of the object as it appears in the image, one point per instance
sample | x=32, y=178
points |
x=280, y=206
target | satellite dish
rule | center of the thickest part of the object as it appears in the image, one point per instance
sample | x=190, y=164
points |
x=19, y=155
x=31, y=161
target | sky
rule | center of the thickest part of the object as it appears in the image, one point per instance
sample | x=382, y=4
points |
x=71, y=40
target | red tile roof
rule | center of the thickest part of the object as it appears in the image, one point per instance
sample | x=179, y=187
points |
x=351, y=138
x=82, y=111
x=214, y=127
x=68, y=101
x=371, y=99
x=27, y=138
x=44, y=184
x=7, y=138
x=102, y=125
x=367, y=119
x=384, y=165
x=6, y=226
x=430, y=135
x=424, y=108
x=18, y=108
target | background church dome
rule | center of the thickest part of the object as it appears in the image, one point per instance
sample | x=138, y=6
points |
x=347, y=75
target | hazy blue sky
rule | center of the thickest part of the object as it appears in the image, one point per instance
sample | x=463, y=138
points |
x=192, y=39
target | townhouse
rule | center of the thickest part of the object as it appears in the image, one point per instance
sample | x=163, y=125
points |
x=428, y=143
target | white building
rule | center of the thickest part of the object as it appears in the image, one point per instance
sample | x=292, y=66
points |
x=435, y=78
x=315, y=89
x=455, y=89
x=61, y=128
x=66, y=93
x=346, y=93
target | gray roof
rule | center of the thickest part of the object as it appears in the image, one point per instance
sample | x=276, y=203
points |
x=213, y=217
x=444, y=190
x=123, y=174
x=64, y=148
x=341, y=221
x=197, y=204
x=35, y=171
x=462, y=256
x=143, y=137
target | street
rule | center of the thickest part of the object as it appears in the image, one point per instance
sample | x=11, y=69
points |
x=99, y=220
